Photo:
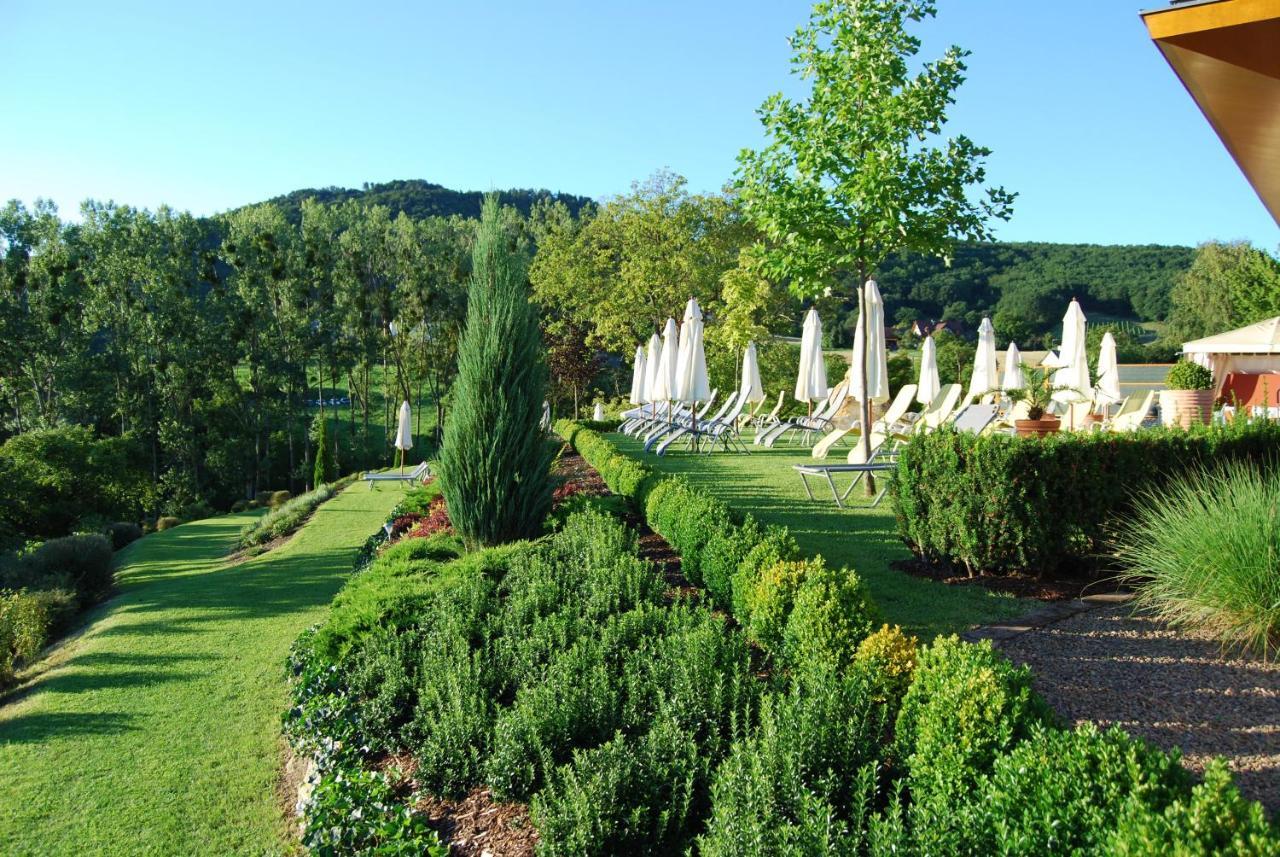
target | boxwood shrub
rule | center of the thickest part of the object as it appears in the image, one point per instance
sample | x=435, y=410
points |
x=999, y=503
x=719, y=548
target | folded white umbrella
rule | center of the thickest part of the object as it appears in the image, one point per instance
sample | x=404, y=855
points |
x=928, y=387
x=750, y=385
x=651, y=364
x=811, y=380
x=404, y=429
x=1073, y=377
x=877, y=358
x=1108, y=392
x=691, y=366
x=597, y=413
x=986, y=367
x=665, y=380
x=1013, y=378
x=637, y=377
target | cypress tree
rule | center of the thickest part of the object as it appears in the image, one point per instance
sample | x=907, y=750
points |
x=326, y=466
x=495, y=465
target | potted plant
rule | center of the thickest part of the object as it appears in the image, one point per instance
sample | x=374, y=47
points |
x=1188, y=400
x=1037, y=394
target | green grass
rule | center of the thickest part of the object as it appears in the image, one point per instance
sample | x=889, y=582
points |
x=764, y=484
x=157, y=729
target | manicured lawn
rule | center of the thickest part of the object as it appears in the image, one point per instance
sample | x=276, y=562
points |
x=764, y=484
x=157, y=730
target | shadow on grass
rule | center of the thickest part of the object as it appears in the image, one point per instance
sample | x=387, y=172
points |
x=36, y=728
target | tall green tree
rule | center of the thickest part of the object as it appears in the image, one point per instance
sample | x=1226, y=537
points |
x=1228, y=285
x=622, y=270
x=495, y=465
x=856, y=171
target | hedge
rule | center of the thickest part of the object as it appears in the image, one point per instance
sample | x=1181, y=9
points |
x=720, y=549
x=1000, y=503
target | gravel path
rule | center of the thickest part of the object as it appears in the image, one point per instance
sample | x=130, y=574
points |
x=1174, y=688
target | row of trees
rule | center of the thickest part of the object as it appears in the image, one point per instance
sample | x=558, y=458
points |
x=204, y=340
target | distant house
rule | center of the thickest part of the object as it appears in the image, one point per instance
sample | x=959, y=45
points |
x=920, y=328
x=891, y=338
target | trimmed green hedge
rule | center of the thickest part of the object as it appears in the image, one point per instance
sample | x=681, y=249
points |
x=720, y=549
x=1000, y=503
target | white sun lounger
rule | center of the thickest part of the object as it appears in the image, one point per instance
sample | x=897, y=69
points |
x=819, y=421
x=421, y=472
x=897, y=410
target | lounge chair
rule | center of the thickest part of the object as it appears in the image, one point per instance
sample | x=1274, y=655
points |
x=680, y=426
x=820, y=420
x=419, y=473
x=721, y=429
x=747, y=417
x=974, y=418
x=897, y=410
x=671, y=414
x=771, y=418
x=1133, y=413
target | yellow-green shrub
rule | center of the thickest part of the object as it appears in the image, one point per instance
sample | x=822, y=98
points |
x=888, y=657
x=831, y=615
x=167, y=522
x=770, y=599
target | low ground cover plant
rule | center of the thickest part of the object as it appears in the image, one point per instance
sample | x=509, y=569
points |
x=999, y=503
x=287, y=514
x=1204, y=553
x=562, y=674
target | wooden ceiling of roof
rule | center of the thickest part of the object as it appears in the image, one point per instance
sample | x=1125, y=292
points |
x=1227, y=54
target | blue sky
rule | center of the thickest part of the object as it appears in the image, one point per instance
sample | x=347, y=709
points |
x=206, y=106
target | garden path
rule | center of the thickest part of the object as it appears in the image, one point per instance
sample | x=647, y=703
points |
x=1174, y=688
x=156, y=730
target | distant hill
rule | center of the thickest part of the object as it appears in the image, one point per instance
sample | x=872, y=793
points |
x=419, y=199
x=1127, y=281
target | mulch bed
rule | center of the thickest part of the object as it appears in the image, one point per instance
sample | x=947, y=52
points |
x=1174, y=688
x=1021, y=585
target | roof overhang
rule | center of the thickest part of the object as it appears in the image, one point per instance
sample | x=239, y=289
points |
x=1227, y=54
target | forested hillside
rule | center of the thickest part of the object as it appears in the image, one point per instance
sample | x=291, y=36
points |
x=420, y=199
x=1025, y=286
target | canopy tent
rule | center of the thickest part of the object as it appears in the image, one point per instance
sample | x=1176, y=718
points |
x=876, y=362
x=1252, y=350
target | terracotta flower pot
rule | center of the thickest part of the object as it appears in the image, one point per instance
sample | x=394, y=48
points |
x=1037, y=428
x=1186, y=408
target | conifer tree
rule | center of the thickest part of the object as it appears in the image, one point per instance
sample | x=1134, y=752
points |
x=495, y=464
x=326, y=466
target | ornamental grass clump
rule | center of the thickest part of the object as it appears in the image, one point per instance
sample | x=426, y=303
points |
x=495, y=464
x=1204, y=554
